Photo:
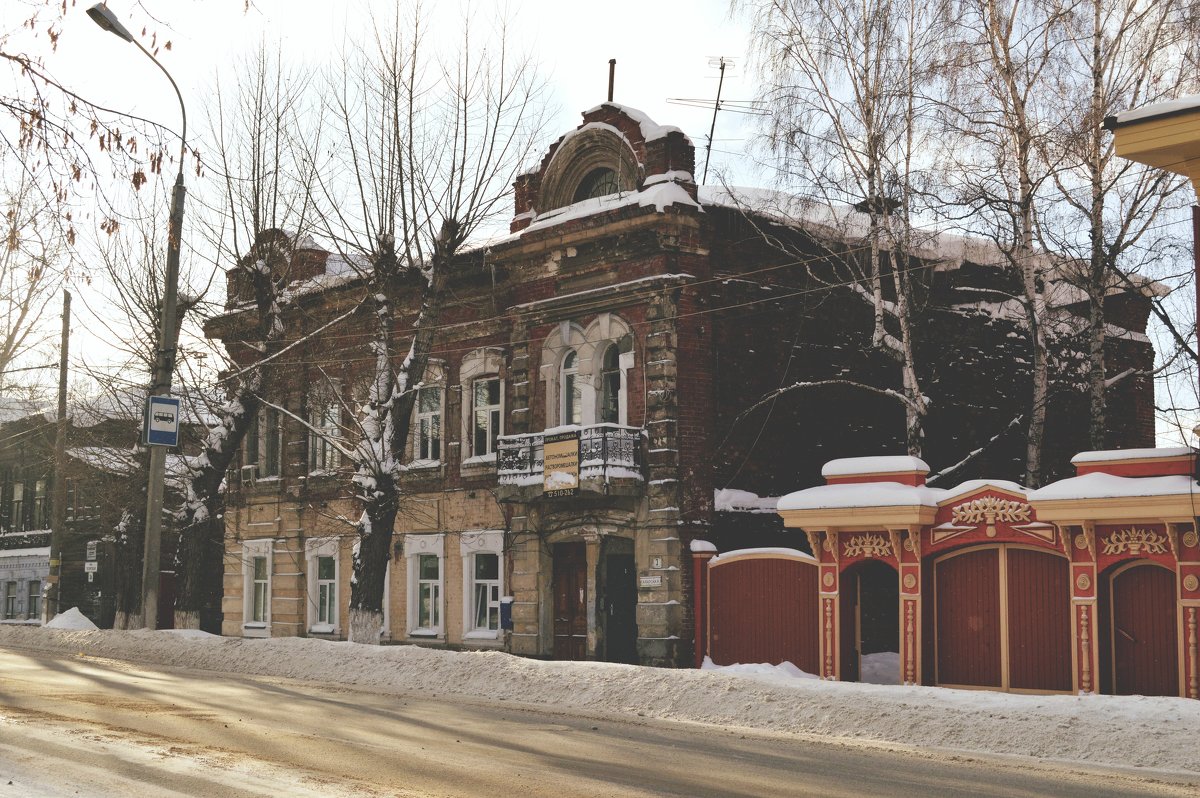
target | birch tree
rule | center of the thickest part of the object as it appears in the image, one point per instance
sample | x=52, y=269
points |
x=1124, y=54
x=433, y=133
x=847, y=83
x=1008, y=55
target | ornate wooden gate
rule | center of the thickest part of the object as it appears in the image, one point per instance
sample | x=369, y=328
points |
x=1003, y=619
x=764, y=607
x=1142, y=630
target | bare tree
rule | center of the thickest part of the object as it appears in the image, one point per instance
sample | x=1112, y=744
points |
x=433, y=133
x=1125, y=54
x=847, y=83
x=32, y=259
x=1007, y=56
x=262, y=213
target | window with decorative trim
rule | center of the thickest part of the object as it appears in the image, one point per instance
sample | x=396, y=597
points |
x=325, y=416
x=426, y=571
x=264, y=443
x=599, y=182
x=483, y=583
x=256, y=588
x=572, y=390
x=428, y=424
x=482, y=383
x=33, y=606
x=486, y=416
x=10, y=600
x=324, y=580
x=41, y=508
x=16, y=508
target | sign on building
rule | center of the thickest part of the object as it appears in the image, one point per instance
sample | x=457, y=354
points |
x=91, y=549
x=162, y=421
x=561, y=464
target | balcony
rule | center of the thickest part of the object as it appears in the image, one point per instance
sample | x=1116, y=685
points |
x=610, y=462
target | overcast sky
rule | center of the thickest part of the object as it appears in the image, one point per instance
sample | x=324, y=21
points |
x=663, y=48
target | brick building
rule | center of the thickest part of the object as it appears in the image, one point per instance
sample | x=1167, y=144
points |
x=101, y=436
x=633, y=318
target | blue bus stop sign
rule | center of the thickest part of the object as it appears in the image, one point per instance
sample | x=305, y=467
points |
x=162, y=421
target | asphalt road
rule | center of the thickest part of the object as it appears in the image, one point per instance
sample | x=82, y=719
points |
x=93, y=727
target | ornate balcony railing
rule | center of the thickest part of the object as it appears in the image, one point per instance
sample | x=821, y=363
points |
x=610, y=461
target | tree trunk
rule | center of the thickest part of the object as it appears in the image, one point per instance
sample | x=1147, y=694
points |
x=372, y=554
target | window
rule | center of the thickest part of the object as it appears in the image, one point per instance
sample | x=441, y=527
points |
x=262, y=447
x=41, y=519
x=487, y=592
x=321, y=557
x=428, y=593
x=482, y=420
x=260, y=590
x=429, y=424
x=256, y=586
x=325, y=416
x=486, y=422
x=10, y=601
x=483, y=585
x=326, y=591
x=610, y=386
x=17, y=524
x=597, y=183
x=33, y=607
x=572, y=391
x=425, y=594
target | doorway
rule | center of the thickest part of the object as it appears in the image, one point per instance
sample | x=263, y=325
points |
x=620, y=616
x=870, y=623
x=1139, y=648
x=569, y=576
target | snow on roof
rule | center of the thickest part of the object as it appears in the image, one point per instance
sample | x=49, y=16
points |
x=862, y=494
x=1113, y=455
x=972, y=485
x=651, y=130
x=764, y=550
x=109, y=459
x=1179, y=105
x=887, y=464
x=13, y=408
x=660, y=196
x=1099, y=485
x=698, y=545
x=732, y=500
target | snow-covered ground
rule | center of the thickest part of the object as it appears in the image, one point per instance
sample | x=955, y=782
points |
x=1155, y=733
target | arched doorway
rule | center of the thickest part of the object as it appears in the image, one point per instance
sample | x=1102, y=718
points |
x=870, y=623
x=1139, y=645
x=1003, y=619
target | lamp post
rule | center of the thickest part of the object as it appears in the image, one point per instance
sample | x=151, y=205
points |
x=164, y=361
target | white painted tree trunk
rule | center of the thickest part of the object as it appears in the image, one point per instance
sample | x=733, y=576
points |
x=366, y=626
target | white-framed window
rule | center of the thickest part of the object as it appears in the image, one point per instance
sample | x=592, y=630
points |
x=41, y=507
x=256, y=586
x=486, y=416
x=571, y=389
x=426, y=594
x=324, y=580
x=325, y=416
x=17, y=508
x=428, y=424
x=586, y=372
x=10, y=600
x=33, y=606
x=264, y=442
x=482, y=384
x=483, y=583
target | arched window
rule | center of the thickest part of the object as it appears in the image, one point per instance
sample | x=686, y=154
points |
x=610, y=386
x=597, y=183
x=572, y=391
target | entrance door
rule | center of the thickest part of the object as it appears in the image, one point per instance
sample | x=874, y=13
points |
x=620, y=595
x=967, y=588
x=570, y=601
x=1142, y=631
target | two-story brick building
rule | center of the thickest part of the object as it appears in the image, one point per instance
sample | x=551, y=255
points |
x=587, y=399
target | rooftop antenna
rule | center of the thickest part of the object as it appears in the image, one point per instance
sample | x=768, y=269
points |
x=612, y=74
x=752, y=107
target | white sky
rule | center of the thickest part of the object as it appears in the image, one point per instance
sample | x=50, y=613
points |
x=663, y=49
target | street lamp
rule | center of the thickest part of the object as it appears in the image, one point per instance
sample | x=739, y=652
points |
x=164, y=361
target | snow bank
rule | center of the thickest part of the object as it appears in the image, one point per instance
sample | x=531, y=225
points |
x=71, y=619
x=784, y=671
x=1103, y=730
x=1099, y=485
x=862, y=494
